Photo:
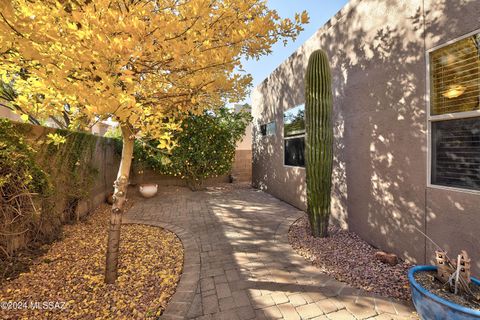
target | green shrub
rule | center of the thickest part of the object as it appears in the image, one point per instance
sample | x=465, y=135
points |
x=24, y=187
x=205, y=147
x=41, y=183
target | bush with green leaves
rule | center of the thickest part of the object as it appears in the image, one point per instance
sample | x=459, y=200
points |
x=23, y=186
x=42, y=181
x=206, y=145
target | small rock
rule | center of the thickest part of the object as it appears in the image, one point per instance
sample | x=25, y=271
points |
x=388, y=258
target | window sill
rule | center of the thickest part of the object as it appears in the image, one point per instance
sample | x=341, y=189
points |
x=454, y=189
x=294, y=167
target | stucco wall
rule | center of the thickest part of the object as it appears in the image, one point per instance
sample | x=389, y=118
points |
x=377, y=54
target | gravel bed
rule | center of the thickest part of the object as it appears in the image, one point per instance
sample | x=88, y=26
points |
x=347, y=258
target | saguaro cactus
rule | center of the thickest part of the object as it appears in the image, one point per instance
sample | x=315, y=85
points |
x=319, y=141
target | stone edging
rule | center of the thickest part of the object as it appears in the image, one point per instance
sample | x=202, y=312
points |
x=401, y=308
x=182, y=299
x=281, y=234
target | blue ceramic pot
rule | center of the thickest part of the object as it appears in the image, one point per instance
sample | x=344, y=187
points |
x=432, y=307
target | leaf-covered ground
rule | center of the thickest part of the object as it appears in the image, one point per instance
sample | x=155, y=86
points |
x=67, y=282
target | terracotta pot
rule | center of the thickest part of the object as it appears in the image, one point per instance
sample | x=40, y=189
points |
x=148, y=190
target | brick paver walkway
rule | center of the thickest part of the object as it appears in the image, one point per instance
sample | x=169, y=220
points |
x=239, y=264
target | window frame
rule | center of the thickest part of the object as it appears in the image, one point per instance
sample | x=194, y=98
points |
x=283, y=146
x=274, y=132
x=448, y=116
x=302, y=135
x=267, y=134
x=262, y=134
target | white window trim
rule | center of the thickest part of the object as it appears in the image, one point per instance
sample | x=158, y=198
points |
x=283, y=153
x=266, y=129
x=290, y=137
x=450, y=116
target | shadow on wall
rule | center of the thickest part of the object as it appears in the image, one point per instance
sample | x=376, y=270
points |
x=269, y=172
x=379, y=92
x=452, y=218
x=377, y=53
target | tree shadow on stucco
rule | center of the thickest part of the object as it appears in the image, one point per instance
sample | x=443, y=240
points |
x=380, y=122
x=285, y=182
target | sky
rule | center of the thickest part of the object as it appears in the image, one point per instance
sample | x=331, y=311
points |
x=320, y=11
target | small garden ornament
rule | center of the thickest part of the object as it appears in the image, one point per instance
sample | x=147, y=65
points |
x=148, y=190
x=455, y=275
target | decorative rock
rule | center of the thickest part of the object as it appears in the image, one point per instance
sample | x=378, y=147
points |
x=388, y=258
x=346, y=257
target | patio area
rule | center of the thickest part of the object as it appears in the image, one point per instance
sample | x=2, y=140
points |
x=240, y=265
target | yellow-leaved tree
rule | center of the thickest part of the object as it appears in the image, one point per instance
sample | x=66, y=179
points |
x=144, y=63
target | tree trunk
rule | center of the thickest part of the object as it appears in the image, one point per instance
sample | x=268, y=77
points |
x=195, y=185
x=119, y=198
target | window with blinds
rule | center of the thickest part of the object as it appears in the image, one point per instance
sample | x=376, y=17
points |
x=455, y=114
x=456, y=153
x=455, y=77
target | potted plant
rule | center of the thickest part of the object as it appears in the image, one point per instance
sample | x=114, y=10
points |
x=445, y=290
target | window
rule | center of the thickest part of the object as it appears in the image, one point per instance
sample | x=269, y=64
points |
x=263, y=129
x=268, y=129
x=294, y=152
x=454, y=118
x=294, y=135
x=271, y=128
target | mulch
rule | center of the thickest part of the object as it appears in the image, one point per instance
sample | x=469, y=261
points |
x=67, y=282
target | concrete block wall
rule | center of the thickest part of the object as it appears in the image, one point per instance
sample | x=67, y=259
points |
x=104, y=160
x=242, y=167
x=163, y=180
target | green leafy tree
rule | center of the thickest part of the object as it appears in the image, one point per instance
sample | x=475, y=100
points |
x=206, y=147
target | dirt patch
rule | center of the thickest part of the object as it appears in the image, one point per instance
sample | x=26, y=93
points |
x=427, y=280
x=347, y=258
x=67, y=281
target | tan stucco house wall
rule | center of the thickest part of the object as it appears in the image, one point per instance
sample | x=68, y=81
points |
x=377, y=51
